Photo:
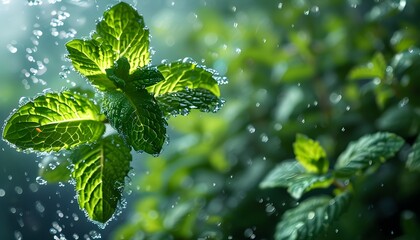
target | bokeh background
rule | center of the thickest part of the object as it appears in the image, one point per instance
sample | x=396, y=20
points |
x=288, y=66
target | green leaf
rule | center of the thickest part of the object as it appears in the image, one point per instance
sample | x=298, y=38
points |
x=55, y=169
x=413, y=160
x=137, y=117
x=181, y=102
x=310, y=154
x=311, y=218
x=144, y=77
x=292, y=174
x=53, y=122
x=367, y=151
x=124, y=30
x=182, y=75
x=100, y=170
x=91, y=59
x=186, y=86
x=140, y=78
x=121, y=33
x=376, y=68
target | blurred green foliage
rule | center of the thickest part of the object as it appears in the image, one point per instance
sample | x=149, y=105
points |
x=332, y=70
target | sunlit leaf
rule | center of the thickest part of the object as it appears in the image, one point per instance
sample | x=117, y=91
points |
x=292, y=174
x=310, y=154
x=367, y=151
x=137, y=117
x=121, y=33
x=413, y=160
x=186, y=86
x=182, y=102
x=182, y=75
x=53, y=122
x=91, y=59
x=100, y=170
x=376, y=68
x=311, y=217
x=124, y=30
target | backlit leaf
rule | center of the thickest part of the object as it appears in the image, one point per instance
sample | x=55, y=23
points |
x=137, y=117
x=100, y=170
x=311, y=217
x=124, y=30
x=184, y=75
x=121, y=33
x=186, y=86
x=310, y=154
x=292, y=174
x=91, y=59
x=367, y=151
x=376, y=68
x=53, y=122
x=181, y=102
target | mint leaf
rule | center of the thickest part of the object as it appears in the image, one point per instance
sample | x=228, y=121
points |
x=310, y=154
x=376, y=68
x=181, y=102
x=53, y=122
x=121, y=33
x=91, y=58
x=124, y=30
x=144, y=77
x=413, y=160
x=100, y=170
x=183, y=75
x=140, y=78
x=137, y=117
x=186, y=86
x=367, y=151
x=55, y=169
x=292, y=174
x=311, y=218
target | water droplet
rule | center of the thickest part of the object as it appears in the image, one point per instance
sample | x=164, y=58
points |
x=2, y=192
x=251, y=128
x=343, y=129
x=18, y=190
x=269, y=208
x=264, y=138
x=311, y=215
x=39, y=207
x=348, y=108
x=278, y=126
x=335, y=98
x=18, y=235
x=280, y=5
x=238, y=50
x=249, y=233
x=40, y=181
x=403, y=102
x=11, y=48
